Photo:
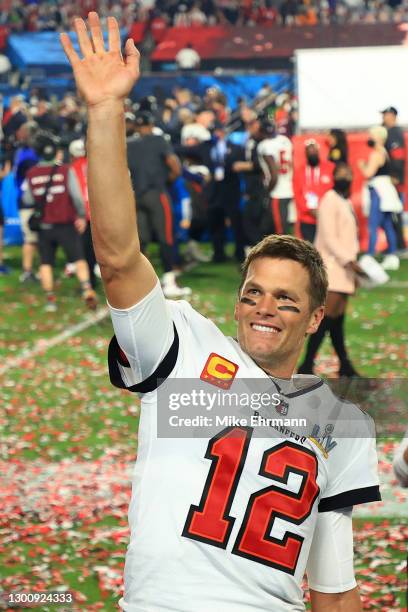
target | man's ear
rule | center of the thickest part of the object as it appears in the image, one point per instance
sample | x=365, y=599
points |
x=315, y=320
x=236, y=311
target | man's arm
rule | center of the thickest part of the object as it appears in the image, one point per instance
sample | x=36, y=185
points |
x=330, y=569
x=104, y=80
x=336, y=602
x=242, y=166
x=271, y=176
x=174, y=166
x=370, y=167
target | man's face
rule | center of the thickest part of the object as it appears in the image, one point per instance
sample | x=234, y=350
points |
x=23, y=134
x=312, y=155
x=273, y=314
x=254, y=128
x=206, y=118
x=389, y=120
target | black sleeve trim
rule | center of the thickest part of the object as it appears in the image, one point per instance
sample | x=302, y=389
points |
x=350, y=498
x=165, y=367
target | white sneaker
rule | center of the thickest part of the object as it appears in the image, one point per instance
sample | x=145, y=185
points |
x=390, y=262
x=194, y=252
x=50, y=307
x=171, y=289
x=70, y=269
x=97, y=271
x=174, y=291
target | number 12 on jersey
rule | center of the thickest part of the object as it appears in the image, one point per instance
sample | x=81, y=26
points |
x=210, y=522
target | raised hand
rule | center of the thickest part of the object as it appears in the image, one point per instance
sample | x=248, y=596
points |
x=101, y=75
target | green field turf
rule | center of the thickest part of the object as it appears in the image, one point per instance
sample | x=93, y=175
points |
x=68, y=438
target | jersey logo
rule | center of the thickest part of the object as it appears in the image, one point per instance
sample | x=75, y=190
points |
x=219, y=371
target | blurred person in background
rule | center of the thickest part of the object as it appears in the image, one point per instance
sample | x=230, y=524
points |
x=184, y=98
x=196, y=176
x=278, y=149
x=395, y=147
x=3, y=172
x=216, y=101
x=256, y=195
x=130, y=124
x=188, y=58
x=310, y=183
x=401, y=462
x=288, y=10
x=46, y=118
x=152, y=163
x=54, y=188
x=79, y=165
x=14, y=116
x=338, y=148
x=24, y=158
x=222, y=191
x=383, y=196
x=337, y=243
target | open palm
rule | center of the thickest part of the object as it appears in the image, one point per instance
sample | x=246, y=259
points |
x=101, y=75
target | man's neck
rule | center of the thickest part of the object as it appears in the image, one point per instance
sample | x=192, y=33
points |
x=284, y=371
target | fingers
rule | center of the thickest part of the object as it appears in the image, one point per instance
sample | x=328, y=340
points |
x=69, y=49
x=132, y=57
x=83, y=39
x=113, y=35
x=96, y=32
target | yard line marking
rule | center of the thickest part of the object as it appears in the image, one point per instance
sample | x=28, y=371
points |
x=41, y=346
x=396, y=284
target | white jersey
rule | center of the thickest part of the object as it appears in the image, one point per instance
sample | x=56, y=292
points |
x=281, y=149
x=226, y=523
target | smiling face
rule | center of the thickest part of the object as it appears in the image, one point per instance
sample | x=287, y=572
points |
x=274, y=314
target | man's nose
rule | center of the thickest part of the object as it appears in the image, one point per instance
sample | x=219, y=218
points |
x=267, y=305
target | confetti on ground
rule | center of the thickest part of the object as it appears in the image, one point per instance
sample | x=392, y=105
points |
x=64, y=497
x=56, y=517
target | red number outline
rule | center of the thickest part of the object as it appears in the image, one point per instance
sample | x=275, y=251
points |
x=285, y=164
x=291, y=544
x=275, y=465
x=197, y=512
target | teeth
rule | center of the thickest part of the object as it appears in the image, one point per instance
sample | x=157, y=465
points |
x=263, y=328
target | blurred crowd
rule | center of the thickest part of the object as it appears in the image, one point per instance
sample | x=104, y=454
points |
x=181, y=118
x=201, y=172
x=43, y=15
x=66, y=118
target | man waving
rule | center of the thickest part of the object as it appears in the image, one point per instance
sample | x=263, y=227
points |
x=230, y=522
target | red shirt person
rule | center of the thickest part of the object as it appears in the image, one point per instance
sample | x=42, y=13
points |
x=310, y=183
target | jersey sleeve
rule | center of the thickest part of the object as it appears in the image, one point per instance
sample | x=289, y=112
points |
x=151, y=340
x=330, y=567
x=267, y=147
x=352, y=472
x=145, y=346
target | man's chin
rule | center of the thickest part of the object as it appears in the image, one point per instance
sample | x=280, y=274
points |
x=262, y=357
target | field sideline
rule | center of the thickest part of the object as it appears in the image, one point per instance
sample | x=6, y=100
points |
x=68, y=439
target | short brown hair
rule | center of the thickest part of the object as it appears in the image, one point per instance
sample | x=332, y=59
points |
x=289, y=247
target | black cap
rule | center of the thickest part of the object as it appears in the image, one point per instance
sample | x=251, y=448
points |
x=390, y=109
x=267, y=124
x=46, y=144
x=144, y=118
